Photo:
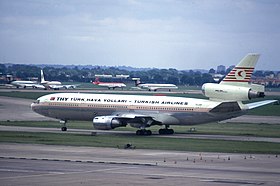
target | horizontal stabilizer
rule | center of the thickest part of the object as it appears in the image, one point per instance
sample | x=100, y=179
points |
x=260, y=103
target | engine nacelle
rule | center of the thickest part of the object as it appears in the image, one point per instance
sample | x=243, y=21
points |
x=229, y=92
x=107, y=122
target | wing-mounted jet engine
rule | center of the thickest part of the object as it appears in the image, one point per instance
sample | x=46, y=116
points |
x=107, y=122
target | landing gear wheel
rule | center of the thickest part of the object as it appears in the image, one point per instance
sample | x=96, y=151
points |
x=171, y=131
x=138, y=132
x=63, y=123
x=143, y=132
x=148, y=132
x=63, y=128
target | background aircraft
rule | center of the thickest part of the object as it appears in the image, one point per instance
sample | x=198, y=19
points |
x=25, y=84
x=54, y=84
x=153, y=86
x=109, y=111
x=109, y=85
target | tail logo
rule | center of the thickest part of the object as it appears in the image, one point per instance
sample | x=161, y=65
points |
x=239, y=74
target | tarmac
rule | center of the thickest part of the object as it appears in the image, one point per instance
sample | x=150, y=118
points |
x=28, y=164
x=18, y=109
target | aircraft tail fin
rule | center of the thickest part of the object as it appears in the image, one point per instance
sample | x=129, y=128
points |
x=96, y=81
x=137, y=81
x=241, y=73
x=42, y=77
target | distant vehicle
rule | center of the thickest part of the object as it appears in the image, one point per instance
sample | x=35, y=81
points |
x=109, y=85
x=56, y=85
x=153, y=86
x=25, y=84
x=110, y=111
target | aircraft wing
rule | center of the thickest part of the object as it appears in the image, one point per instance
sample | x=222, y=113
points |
x=129, y=115
x=62, y=86
x=153, y=88
x=70, y=86
x=112, y=86
x=23, y=85
x=55, y=86
x=260, y=103
x=26, y=85
x=116, y=86
x=39, y=86
x=142, y=119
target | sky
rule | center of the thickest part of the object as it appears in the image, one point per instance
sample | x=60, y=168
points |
x=180, y=34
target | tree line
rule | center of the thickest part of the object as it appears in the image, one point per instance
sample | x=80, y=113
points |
x=86, y=74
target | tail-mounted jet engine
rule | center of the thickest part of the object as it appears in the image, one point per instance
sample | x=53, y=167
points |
x=231, y=92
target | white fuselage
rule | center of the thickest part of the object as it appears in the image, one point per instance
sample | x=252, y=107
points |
x=110, y=85
x=25, y=84
x=163, y=109
x=153, y=86
x=50, y=84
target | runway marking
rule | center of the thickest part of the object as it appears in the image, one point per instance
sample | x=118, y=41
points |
x=52, y=173
x=184, y=176
x=149, y=172
x=114, y=169
x=16, y=170
x=243, y=182
x=78, y=161
x=57, y=173
x=30, y=176
x=198, y=176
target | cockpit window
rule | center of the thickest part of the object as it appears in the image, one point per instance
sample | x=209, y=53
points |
x=37, y=101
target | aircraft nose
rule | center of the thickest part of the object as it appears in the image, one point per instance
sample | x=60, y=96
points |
x=33, y=106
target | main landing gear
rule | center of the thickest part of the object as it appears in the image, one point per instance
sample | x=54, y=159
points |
x=63, y=128
x=143, y=132
x=166, y=130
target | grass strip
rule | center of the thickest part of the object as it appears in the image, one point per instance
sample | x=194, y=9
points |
x=147, y=142
x=232, y=129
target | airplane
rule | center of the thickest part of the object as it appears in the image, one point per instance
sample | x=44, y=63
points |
x=109, y=85
x=153, y=86
x=56, y=85
x=25, y=84
x=109, y=111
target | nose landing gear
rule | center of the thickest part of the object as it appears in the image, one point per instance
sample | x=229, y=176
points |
x=63, y=128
